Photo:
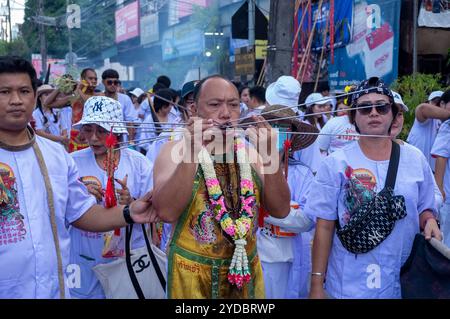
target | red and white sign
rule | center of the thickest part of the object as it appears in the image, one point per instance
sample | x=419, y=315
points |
x=185, y=8
x=127, y=22
x=57, y=69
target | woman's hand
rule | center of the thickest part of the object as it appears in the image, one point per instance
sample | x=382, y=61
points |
x=432, y=230
x=124, y=193
x=95, y=190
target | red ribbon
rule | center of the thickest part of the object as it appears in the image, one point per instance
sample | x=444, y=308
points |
x=110, y=165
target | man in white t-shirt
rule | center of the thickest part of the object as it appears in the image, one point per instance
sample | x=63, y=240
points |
x=257, y=102
x=40, y=196
x=426, y=125
x=110, y=79
x=441, y=151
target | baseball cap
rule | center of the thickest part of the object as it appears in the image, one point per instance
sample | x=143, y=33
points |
x=102, y=108
x=188, y=88
x=137, y=92
x=398, y=100
x=316, y=98
x=434, y=95
x=285, y=91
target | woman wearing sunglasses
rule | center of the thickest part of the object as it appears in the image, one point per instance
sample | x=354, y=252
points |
x=349, y=180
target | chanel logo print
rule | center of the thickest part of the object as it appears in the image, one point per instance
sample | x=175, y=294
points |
x=141, y=263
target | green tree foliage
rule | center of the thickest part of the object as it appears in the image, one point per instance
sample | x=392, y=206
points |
x=95, y=33
x=17, y=47
x=414, y=90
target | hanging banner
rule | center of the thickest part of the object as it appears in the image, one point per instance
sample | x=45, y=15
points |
x=434, y=14
x=373, y=50
x=342, y=23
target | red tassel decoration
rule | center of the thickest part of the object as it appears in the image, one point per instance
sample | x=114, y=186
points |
x=110, y=166
x=110, y=194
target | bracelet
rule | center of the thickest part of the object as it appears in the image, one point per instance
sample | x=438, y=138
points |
x=127, y=215
x=317, y=274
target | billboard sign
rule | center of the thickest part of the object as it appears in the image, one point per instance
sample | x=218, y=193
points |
x=127, y=22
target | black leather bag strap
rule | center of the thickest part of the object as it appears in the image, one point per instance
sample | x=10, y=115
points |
x=153, y=258
x=393, y=167
x=134, y=281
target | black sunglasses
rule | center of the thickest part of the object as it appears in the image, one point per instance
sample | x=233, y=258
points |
x=366, y=108
x=111, y=82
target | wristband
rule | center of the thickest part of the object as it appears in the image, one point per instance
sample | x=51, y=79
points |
x=127, y=215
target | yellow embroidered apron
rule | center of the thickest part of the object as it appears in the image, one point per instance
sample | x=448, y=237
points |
x=199, y=253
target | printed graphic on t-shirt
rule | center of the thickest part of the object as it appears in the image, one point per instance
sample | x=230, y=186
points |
x=12, y=227
x=91, y=180
x=359, y=189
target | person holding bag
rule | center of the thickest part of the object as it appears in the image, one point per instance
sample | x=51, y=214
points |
x=132, y=179
x=379, y=195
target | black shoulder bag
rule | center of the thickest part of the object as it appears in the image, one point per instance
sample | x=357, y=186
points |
x=373, y=221
x=134, y=280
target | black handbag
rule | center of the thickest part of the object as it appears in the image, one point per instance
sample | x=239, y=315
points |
x=426, y=273
x=372, y=222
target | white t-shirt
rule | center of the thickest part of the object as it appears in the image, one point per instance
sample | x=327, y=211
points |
x=441, y=147
x=348, y=177
x=50, y=126
x=422, y=136
x=281, y=249
x=129, y=112
x=147, y=130
x=66, y=119
x=28, y=259
x=339, y=128
x=310, y=156
x=86, y=247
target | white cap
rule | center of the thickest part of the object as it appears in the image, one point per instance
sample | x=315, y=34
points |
x=285, y=91
x=316, y=98
x=102, y=108
x=398, y=100
x=434, y=95
x=137, y=92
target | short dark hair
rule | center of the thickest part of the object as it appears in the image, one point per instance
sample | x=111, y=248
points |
x=158, y=86
x=110, y=74
x=160, y=103
x=259, y=93
x=86, y=70
x=446, y=96
x=199, y=86
x=164, y=79
x=323, y=86
x=17, y=65
x=242, y=88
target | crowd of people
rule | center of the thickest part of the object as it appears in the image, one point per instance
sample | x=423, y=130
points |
x=246, y=190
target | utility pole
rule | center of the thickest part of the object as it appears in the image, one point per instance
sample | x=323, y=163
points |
x=415, y=13
x=42, y=37
x=251, y=22
x=9, y=20
x=71, y=62
x=281, y=34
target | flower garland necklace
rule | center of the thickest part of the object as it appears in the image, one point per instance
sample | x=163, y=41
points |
x=239, y=272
